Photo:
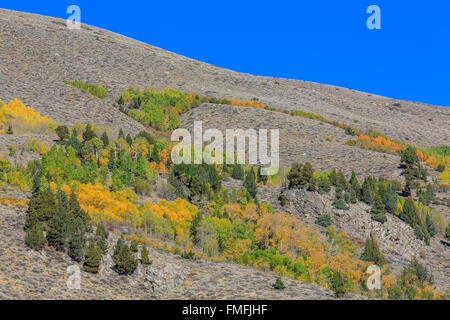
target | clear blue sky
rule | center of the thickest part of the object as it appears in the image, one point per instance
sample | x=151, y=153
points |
x=323, y=41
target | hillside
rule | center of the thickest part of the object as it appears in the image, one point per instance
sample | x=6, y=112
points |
x=39, y=52
x=208, y=237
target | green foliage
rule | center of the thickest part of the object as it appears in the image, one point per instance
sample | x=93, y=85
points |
x=88, y=133
x=62, y=132
x=300, y=175
x=105, y=139
x=372, y=252
x=261, y=177
x=145, y=260
x=238, y=172
x=323, y=220
x=250, y=183
x=125, y=261
x=35, y=238
x=92, y=88
x=279, y=285
x=93, y=258
x=134, y=246
x=337, y=284
x=378, y=210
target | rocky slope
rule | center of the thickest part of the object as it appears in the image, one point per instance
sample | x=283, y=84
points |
x=38, y=52
x=27, y=274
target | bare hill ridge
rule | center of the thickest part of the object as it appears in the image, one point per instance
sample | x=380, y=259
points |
x=38, y=52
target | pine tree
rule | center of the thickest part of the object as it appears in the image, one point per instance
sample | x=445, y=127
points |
x=238, y=172
x=105, y=139
x=324, y=184
x=76, y=212
x=250, y=183
x=338, y=284
x=58, y=224
x=125, y=261
x=313, y=184
x=367, y=192
x=77, y=238
x=134, y=246
x=409, y=212
x=10, y=130
x=88, y=133
x=62, y=132
x=120, y=242
x=93, y=258
x=307, y=174
x=372, y=252
x=121, y=134
x=354, y=184
x=341, y=182
x=144, y=256
x=295, y=176
x=35, y=238
x=129, y=140
x=42, y=208
x=378, y=210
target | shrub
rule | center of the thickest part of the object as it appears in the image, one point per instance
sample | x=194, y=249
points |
x=145, y=260
x=92, y=88
x=323, y=220
x=338, y=285
x=93, y=258
x=279, y=285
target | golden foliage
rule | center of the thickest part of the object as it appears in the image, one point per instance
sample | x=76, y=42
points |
x=24, y=119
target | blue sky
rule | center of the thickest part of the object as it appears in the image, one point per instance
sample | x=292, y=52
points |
x=324, y=41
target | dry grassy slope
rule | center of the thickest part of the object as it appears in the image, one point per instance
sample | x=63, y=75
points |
x=38, y=52
x=27, y=274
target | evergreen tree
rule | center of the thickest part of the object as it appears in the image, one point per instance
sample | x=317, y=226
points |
x=93, y=258
x=333, y=177
x=279, y=285
x=125, y=261
x=250, y=183
x=73, y=141
x=120, y=242
x=354, y=184
x=391, y=204
x=62, y=132
x=121, y=134
x=77, y=238
x=144, y=256
x=372, y=252
x=129, y=140
x=338, y=284
x=35, y=238
x=262, y=177
x=134, y=246
x=10, y=130
x=295, y=176
x=238, y=172
x=76, y=212
x=42, y=208
x=341, y=182
x=313, y=184
x=409, y=212
x=378, y=210
x=88, y=133
x=58, y=224
x=367, y=191
x=324, y=184
x=307, y=174
x=105, y=139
